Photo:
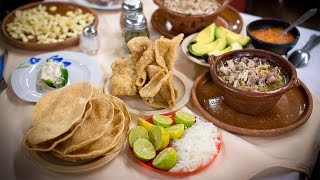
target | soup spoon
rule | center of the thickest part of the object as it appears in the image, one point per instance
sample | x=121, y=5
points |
x=301, y=57
x=300, y=20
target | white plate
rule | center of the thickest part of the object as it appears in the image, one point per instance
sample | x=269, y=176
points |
x=45, y=159
x=24, y=79
x=135, y=105
x=184, y=47
x=110, y=6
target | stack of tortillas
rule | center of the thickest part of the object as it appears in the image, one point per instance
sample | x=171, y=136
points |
x=78, y=122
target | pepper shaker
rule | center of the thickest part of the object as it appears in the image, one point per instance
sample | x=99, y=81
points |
x=90, y=40
x=135, y=25
x=127, y=7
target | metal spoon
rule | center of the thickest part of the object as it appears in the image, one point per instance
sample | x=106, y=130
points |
x=300, y=20
x=301, y=57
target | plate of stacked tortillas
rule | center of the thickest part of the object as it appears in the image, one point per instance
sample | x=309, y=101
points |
x=147, y=80
x=77, y=128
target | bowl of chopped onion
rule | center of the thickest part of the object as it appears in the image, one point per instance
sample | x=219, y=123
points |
x=190, y=16
x=252, y=81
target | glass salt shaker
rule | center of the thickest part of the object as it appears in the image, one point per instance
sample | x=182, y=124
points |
x=90, y=40
x=127, y=7
x=135, y=25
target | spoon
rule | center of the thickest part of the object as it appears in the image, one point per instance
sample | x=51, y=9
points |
x=301, y=57
x=300, y=20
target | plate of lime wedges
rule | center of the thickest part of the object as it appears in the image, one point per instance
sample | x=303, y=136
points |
x=176, y=143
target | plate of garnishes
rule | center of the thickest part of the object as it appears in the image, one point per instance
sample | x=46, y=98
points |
x=213, y=40
x=176, y=143
x=40, y=74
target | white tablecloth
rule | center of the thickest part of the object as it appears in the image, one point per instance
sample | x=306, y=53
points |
x=15, y=114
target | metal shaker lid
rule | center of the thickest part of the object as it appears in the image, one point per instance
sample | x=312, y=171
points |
x=132, y=6
x=135, y=20
x=90, y=31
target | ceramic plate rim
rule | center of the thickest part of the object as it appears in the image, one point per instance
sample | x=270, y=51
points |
x=94, y=6
x=184, y=47
x=38, y=161
x=94, y=67
x=184, y=99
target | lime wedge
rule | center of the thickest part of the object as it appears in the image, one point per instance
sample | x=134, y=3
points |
x=137, y=133
x=161, y=120
x=144, y=150
x=166, y=159
x=185, y=118
x=148, y=126
x=175, y=131
x=159, y=137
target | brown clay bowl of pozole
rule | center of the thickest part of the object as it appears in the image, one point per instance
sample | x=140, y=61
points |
x=189, y=16
x=265, y=34
x=252, y=81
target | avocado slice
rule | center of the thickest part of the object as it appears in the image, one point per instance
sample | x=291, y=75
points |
x=220, y=32
x=206, y=35
x=233, y=46
x=232, y=36
x=200, y=49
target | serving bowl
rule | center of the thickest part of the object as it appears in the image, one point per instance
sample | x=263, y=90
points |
x=187, y=23
x=247, y=101
x=279, y=48
x=62, y=8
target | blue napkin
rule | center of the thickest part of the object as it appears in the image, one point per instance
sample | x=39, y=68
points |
x=1, y=66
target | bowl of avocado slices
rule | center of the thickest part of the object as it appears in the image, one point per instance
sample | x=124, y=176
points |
x=213, y=40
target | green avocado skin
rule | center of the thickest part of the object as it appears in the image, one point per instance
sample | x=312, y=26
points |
x=206, y=35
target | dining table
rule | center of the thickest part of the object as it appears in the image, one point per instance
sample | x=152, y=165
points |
x=286, y=156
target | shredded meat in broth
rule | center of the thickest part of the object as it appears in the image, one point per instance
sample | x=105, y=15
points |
x=255, y=74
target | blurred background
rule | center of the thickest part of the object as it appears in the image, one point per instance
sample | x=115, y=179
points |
x=287, y=10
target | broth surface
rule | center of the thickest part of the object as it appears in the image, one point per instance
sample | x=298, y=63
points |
x=272, y=35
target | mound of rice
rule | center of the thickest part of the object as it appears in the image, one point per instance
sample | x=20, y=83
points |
x=196, y=147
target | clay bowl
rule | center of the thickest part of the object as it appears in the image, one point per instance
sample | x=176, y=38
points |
x=278, y=48
x=188, y=24
x=62, y=8
x=253, y=102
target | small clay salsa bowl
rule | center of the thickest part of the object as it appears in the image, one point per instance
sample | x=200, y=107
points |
x=187, y=23
x=249, y=101
x=264, y=34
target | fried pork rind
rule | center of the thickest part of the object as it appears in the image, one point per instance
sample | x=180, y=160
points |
x=137, y=46
x=146, y=59
x=165, y=51
x=154, y=85
x=153, y=66
x=123, y=78
x=102, y=131
x=57, y=115
x=123, y=85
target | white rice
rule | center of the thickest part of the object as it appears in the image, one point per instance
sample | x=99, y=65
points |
x=196, y=147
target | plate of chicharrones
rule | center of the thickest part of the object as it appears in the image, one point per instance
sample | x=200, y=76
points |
x=43, y=73
x=147, y=80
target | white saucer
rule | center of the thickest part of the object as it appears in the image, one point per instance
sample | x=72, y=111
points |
x=24, y=79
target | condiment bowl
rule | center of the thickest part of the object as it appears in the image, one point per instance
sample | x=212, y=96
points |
x=279, y=48
x=247, y=101
x=187, y=23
